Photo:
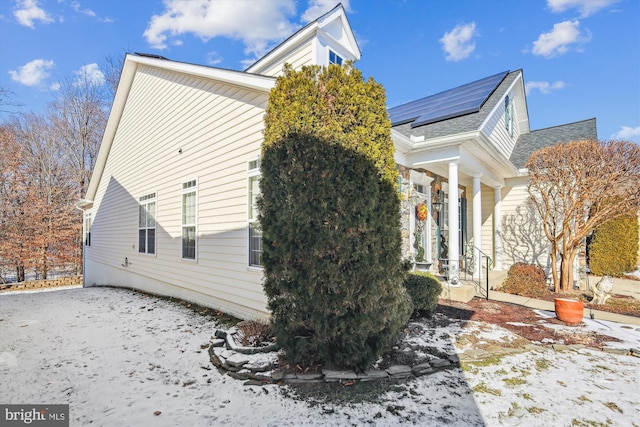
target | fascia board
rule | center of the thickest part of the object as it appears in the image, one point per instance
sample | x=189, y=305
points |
x=122, y=93
x=354, y=49
x=340, y=48
x=471, y=165
x=401, y=142
x=442, y=154
x=500, y=103
x=442, y=141
x=491, y=150
x=253, y=81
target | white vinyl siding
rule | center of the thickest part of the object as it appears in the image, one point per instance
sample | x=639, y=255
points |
x=502, y=127
x=523, y=235
x=297, y=59
x=175, y=127
x=488, y=203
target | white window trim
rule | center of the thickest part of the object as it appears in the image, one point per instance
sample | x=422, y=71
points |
x=508, y=115
x=155, y=226
x=331, y=51
x=187, y=190
x=251, y=173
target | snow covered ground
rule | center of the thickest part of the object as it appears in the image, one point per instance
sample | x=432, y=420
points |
x=118, y=358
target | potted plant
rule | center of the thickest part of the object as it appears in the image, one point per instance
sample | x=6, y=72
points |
x=569, y=310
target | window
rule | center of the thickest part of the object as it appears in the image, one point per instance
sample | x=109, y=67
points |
x=189, y=219
x=334, y=58
x=87, y=229
x=147, y=224
x=255, y=233
x=508, y=115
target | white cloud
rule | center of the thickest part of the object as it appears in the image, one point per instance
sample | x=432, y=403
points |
x=585, y=7
x=213, y=58
x=55, y=86
x=558, y=41
x=627, y=133
x=89, y=12
x=27, y=11
x=91, y=73
x=458, y=43
x=256, y=23
x=32, y=73
x=317, y=8
x=544, y=87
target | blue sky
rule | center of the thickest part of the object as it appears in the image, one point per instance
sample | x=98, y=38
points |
x=581, y=58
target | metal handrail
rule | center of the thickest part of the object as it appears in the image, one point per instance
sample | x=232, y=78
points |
x=488, y=262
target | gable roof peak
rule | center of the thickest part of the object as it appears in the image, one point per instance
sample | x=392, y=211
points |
x=316, y=26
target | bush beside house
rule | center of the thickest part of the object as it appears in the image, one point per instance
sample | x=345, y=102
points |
x=613, y=248
x=424, y=290
x=527, y=280
x=329, y=213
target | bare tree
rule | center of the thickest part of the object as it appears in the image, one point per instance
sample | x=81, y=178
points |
x=6, y=101
x=578, y=186
x=111, y=67
x=78, y=115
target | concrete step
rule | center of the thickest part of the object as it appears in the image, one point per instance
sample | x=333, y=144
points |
x=462, y=293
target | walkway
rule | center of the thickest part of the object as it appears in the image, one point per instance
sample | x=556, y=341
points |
x=620, y=286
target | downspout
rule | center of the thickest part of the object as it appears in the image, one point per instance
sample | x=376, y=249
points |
x=82, y=245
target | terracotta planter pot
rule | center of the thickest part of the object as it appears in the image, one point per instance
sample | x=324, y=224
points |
x=569, y=310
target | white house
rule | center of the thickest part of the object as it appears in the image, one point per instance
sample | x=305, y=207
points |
x=170, y=206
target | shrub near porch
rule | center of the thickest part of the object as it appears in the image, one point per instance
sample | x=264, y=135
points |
x=526, y=280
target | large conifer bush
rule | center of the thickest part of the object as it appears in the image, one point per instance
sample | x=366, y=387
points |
x=329, y=212
x=613, y=249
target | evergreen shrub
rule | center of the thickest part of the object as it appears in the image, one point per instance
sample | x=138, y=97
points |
x=613, y=249
x=330, y=219
x=527, y=280
x=424, y=290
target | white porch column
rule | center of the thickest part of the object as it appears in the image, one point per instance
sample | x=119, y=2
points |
x=477, y=226
x=428, y=248
x=454, y=226
x=497, y=229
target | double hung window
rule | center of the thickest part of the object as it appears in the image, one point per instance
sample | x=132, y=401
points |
x=255, y=233
x=334, y=58
x=147, y=224
x=87, y=229
x=189, y=203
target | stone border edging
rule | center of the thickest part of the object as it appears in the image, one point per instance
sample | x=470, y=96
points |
x=42, y=284
x=237, y=362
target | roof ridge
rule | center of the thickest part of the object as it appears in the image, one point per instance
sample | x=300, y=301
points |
x=565, y=124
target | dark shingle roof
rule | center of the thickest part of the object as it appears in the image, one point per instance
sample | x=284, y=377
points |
x=529, y=142
x=463, y=123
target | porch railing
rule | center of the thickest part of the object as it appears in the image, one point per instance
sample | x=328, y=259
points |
x=475, y=268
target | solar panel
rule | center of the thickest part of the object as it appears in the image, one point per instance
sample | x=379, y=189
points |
x=451, y=103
